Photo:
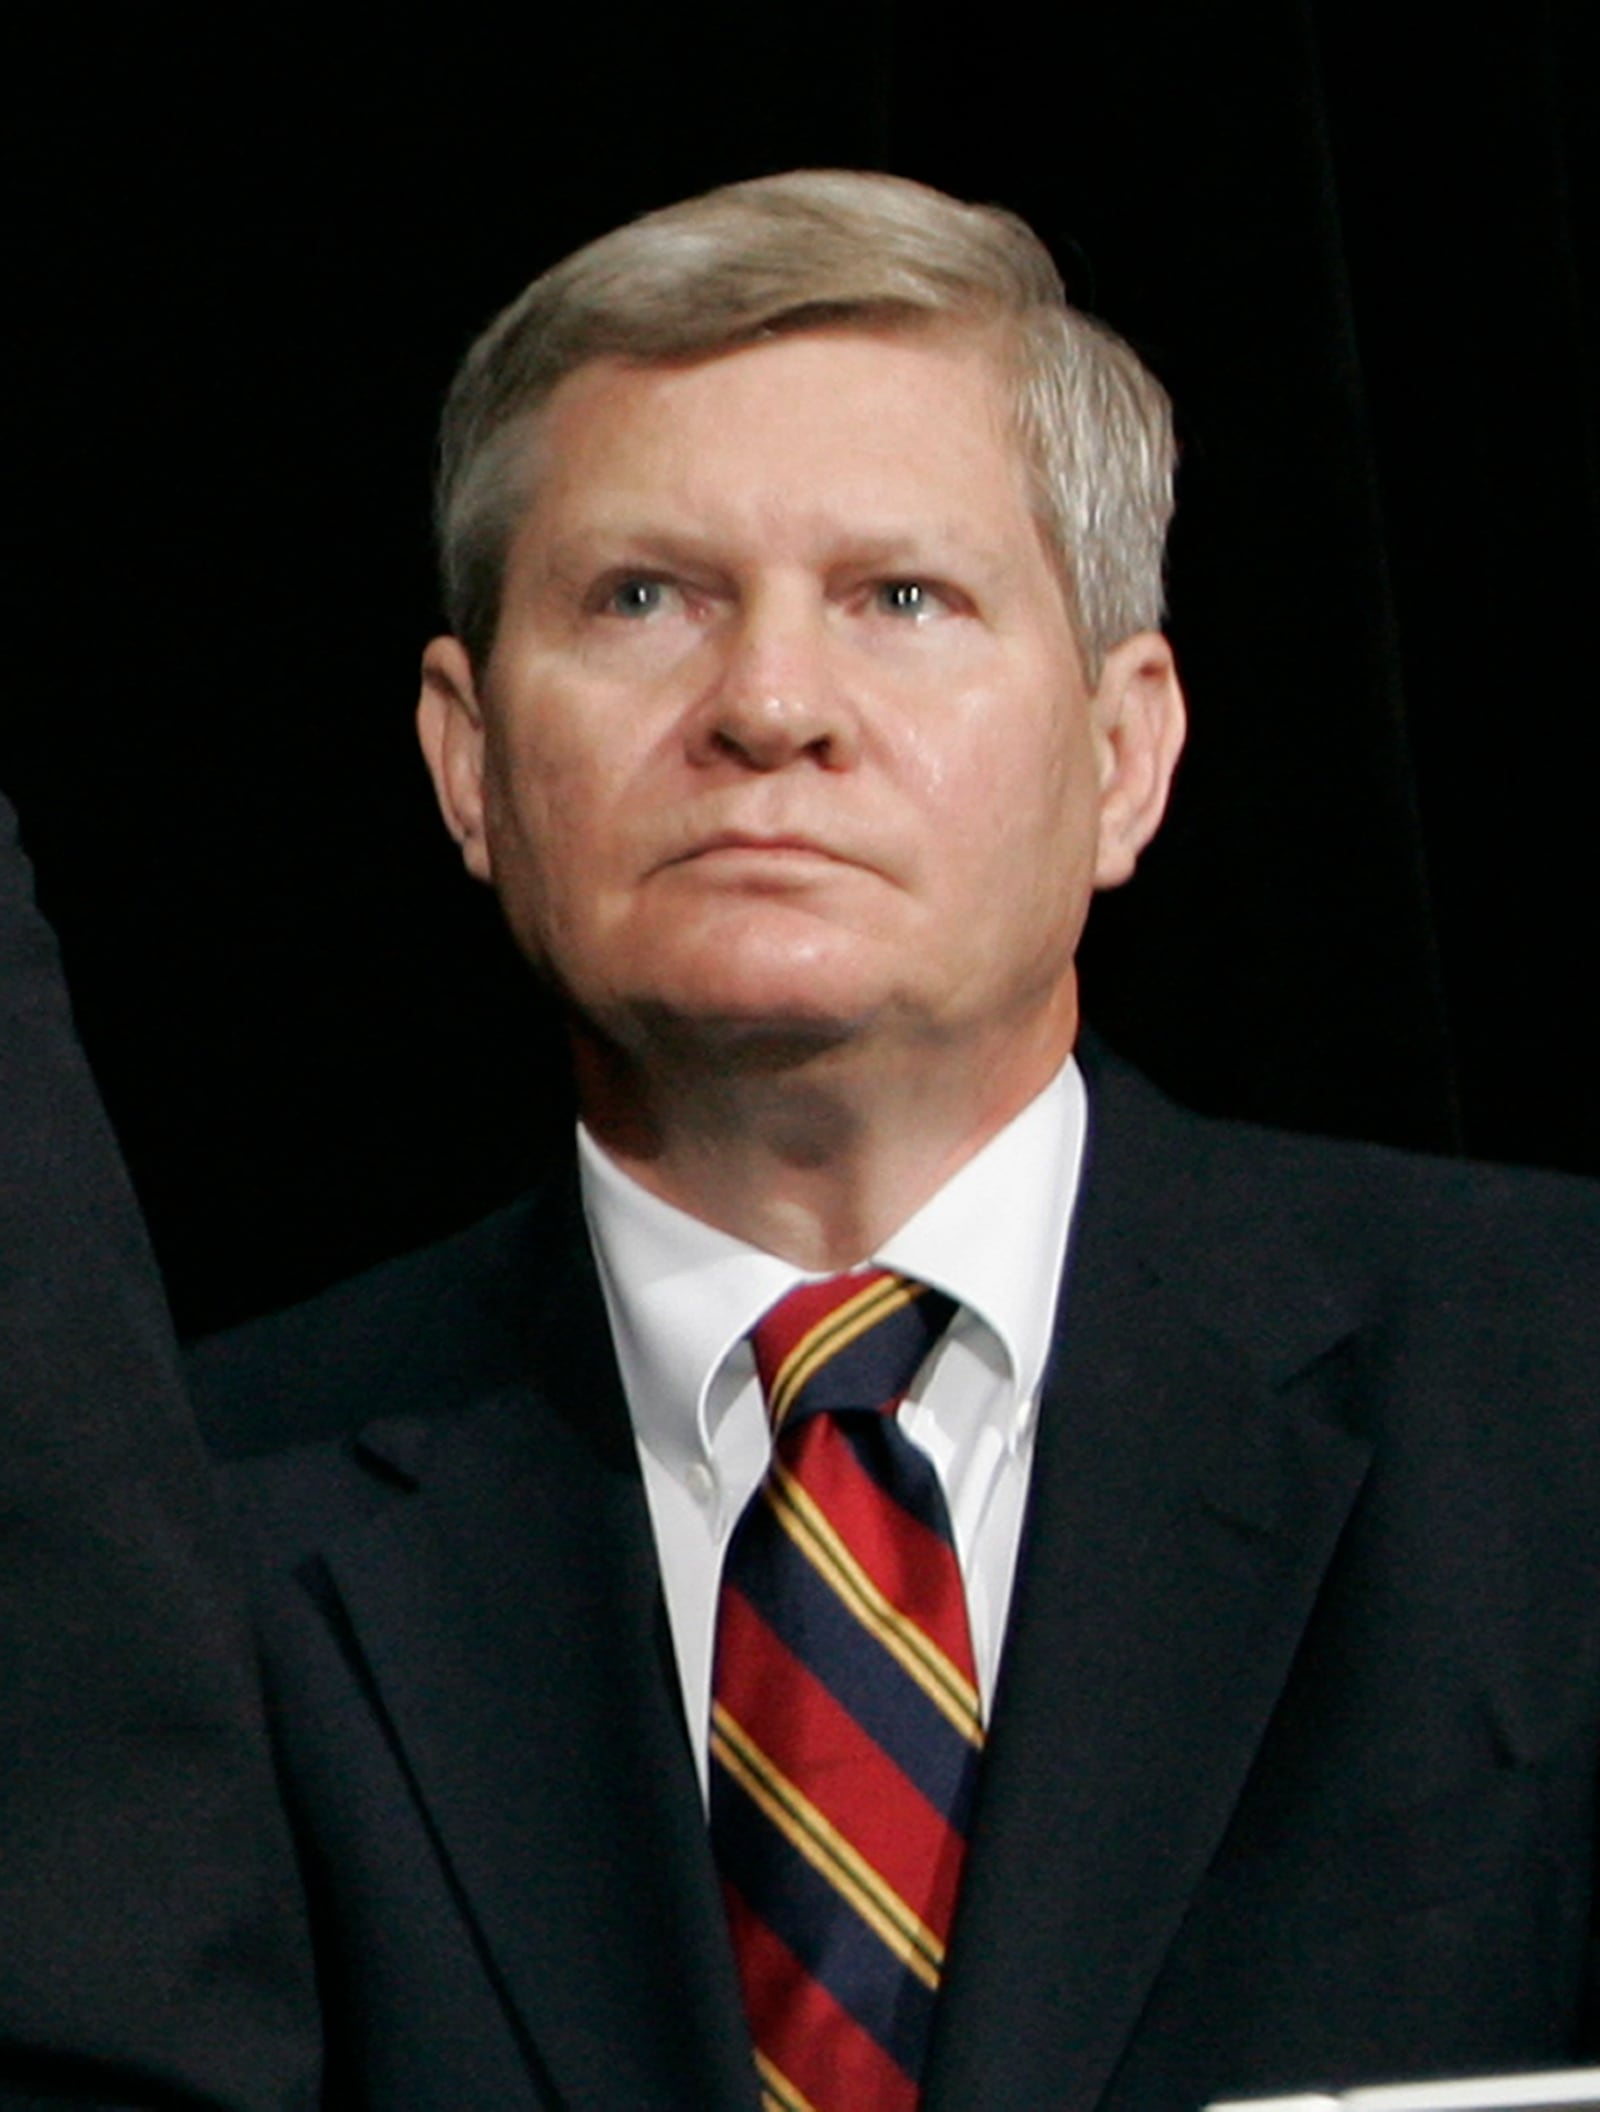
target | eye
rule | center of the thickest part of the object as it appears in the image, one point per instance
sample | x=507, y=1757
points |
x=635, y=596
x=912, y=598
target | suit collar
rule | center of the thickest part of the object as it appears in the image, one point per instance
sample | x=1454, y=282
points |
x=1187, y=1498
x=1189, y=1488
x=508, y=1611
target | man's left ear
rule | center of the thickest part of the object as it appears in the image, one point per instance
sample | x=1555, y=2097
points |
x=1139, y=724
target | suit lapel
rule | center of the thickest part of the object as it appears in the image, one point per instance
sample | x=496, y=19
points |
x=1181, y=1517
x=509, y=1613
x=1183, y=1511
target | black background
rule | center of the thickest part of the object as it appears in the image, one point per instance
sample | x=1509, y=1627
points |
x=1358, y=243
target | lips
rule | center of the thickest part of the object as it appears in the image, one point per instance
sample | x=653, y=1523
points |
x=752, y=848
x=737, y=840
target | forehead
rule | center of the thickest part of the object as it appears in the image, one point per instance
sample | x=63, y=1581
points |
x=840, y=422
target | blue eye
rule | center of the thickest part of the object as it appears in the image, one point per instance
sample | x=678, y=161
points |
x=636, y=597
x=906, y=597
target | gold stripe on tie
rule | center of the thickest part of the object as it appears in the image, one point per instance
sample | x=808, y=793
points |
x=778, y=2093
x=912, y=1648
x=827, y=1851
x=844, y=1325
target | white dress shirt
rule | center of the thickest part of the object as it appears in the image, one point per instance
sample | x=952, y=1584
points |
x=682, y=1299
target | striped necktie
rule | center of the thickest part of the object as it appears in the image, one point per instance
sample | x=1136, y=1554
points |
x=846, y=1722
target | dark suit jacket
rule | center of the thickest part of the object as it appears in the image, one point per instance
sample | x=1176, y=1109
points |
x=150, y=1946
x=1292, y=1764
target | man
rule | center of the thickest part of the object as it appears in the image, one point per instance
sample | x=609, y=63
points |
x=1188, y=1680
x=149, y=1951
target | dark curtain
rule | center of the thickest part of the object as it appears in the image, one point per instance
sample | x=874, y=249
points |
x=1357, y=242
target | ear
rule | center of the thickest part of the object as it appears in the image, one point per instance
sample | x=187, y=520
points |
x=1139, y=724
x=450, y=728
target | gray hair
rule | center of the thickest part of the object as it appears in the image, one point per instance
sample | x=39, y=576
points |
x=803, y=251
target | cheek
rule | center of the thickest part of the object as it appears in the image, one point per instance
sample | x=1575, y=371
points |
x=1014, y=776
x=1026, y=818
x=543, y=777
x=575, y=755
x=540, y=818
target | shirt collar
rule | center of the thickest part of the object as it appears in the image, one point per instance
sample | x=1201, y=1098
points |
x=682, y=1296
x=994, y=1235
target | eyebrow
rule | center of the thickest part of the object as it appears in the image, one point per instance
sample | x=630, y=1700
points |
x=574, y=557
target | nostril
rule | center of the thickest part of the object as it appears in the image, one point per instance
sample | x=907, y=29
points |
x=767, y=729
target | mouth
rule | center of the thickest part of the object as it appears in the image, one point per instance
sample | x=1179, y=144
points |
x=753, y=846
x=780, y=862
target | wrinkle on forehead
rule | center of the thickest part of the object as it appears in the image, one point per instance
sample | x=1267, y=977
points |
x=984, y=343
x=625, y=472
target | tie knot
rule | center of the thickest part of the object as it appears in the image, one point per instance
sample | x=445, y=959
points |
x=846, y=1342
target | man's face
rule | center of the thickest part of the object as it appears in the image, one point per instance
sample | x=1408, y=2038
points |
x=785, y=732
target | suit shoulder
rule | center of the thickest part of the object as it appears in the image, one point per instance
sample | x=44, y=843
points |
x=1400, y=1203
x=1332, y=1172
x=416, y=1335
x=1410, y=1186
x=1383, y=1228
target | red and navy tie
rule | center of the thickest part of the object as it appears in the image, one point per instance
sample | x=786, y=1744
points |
x=846, y=1723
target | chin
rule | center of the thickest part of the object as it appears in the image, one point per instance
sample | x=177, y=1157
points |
x=736, y=1024
x=730, y=1018
x=738, y=984
x=803, y=978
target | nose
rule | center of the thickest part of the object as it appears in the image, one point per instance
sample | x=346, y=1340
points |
x=775, y=695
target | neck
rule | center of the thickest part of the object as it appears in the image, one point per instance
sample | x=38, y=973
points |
x=816, y=1155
